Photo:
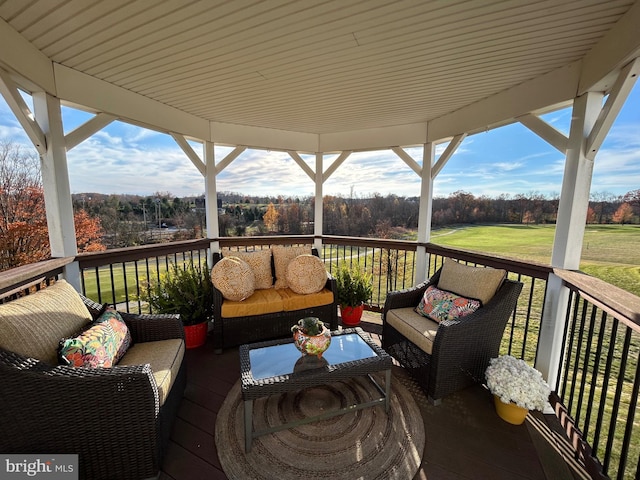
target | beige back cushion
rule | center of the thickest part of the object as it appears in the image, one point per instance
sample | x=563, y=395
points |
x=480, y=283
x=282, y=255
x=260, y=263
x=34, y=325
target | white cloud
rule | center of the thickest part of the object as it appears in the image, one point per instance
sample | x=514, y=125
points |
x=127, y=159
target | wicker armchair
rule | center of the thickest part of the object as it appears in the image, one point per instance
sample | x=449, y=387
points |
x=110, y=417
x=461, y=349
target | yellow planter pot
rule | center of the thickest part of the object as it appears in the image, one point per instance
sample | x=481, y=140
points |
x=510, y=412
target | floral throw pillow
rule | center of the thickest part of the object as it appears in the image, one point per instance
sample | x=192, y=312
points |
x=439, y=305
x=103, y=344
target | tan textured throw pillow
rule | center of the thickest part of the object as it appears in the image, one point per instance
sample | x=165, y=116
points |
x=480, y=283
x=281, y=257
x=306, y=274
x=260, y=263
x=234, y=278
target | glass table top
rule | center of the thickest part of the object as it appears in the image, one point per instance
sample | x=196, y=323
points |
x=286, y=358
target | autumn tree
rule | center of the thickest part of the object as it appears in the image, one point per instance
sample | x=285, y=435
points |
x=23, y=223
x=624, y=214
x=270, y=218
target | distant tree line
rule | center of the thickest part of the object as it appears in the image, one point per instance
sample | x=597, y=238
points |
x=132, y=220
x=391, y=216
x=113, y=221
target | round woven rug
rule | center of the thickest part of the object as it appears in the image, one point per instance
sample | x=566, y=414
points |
x=365, y=444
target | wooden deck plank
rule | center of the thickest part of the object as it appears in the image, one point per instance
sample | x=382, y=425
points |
x=464, y=436
x=181, y=464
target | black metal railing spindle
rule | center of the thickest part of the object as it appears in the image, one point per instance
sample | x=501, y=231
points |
x=616, y=402
x=626, y=442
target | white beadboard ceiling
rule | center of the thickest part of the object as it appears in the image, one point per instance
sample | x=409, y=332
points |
x=311, y=65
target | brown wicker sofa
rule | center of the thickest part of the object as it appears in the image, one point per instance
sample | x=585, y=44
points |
x=118, y=419
x=460, y=349
x=229, y=331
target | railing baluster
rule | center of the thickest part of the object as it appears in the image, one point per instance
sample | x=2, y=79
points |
x=98, y=283
x=135, y=264
x=616, y=402
x=605, y=386
x=113, y=285
x=578, y=349
x=585, y=368
x=570, y=350
x=626, y=442
x=594, y=376
x=126, y=286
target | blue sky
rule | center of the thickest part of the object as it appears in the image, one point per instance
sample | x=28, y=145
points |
x=510, y=160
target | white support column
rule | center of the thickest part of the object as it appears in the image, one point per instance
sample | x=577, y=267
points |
x=570, y=227
x=424, y=214
x=211, y=198
x=317, y=214
x=55, y=180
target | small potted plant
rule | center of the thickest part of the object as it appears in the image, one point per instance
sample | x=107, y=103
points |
x=311, y=336
x=354, y=288
x=187, y=290
x=516, y=387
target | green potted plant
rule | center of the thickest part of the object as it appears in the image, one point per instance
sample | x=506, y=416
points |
x=185, y=289
x=354, y=288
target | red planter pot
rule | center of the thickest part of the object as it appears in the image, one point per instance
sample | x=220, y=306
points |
x=196, y=335
x=351, y=315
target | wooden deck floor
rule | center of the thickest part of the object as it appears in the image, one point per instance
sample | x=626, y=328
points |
x=464, y=436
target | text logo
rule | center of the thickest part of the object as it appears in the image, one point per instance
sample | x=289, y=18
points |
x=37, y=466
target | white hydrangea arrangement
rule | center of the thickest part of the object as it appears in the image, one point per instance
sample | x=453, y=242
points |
x=513, y=380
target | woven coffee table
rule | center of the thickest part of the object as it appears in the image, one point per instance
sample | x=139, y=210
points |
x=276, y=367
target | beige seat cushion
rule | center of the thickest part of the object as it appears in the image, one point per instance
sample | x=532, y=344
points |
x=306, y=274
x=480, y=283
x=165, y=358
x=292, y=301
x=413, y=326
x=282, y=255
x=234, y=278
x=261, y=302
x=260, y=263
x=34, y=325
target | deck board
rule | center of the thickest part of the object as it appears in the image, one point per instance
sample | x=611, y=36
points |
x=464, y=436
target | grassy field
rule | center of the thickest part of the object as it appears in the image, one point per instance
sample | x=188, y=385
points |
x=610, y=252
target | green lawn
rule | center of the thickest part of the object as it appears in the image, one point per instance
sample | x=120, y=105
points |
x=610, y=252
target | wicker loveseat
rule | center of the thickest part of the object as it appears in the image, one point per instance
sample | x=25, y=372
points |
x=273, y=308
x=450, y=355
x=118, y=419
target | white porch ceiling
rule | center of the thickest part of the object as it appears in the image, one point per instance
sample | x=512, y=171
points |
x=310, y=66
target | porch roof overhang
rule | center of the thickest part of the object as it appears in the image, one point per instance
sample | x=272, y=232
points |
x=318, y=76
